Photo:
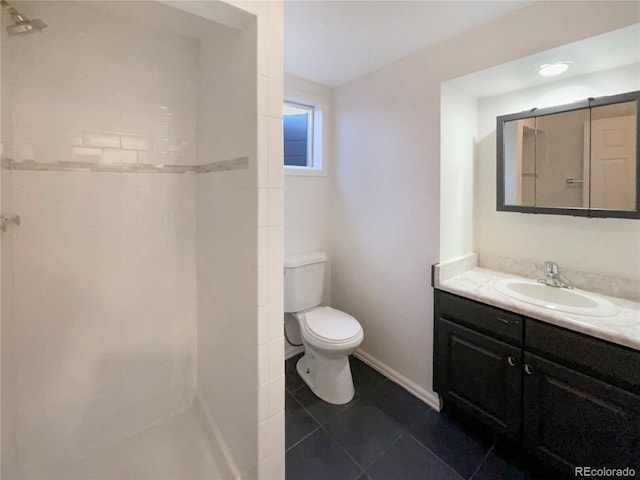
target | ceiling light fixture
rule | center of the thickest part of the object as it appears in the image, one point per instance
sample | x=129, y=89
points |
x=551, y=69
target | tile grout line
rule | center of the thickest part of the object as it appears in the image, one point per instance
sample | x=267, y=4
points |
x=483, y=461
x=400, y=436
x=335, y=440
x=318, y=424
x=334, y=416
x=319, y=427
x=438, y=458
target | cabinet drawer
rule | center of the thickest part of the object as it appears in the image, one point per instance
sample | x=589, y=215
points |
x=615, y=364
x=484, y=318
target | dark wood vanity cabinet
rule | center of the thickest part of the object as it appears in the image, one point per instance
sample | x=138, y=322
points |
x=569, y=399
x=481, y=374
x=571, y=419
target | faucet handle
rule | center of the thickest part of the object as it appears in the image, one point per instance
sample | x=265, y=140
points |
x=551, y=267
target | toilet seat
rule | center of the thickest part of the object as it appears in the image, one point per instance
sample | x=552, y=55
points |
x=328, y=326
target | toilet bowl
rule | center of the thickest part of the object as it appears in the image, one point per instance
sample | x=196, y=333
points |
x=329, y=336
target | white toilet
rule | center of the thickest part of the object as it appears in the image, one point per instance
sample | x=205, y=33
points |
x=329, y=335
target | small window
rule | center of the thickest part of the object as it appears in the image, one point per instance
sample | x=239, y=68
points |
x=298, y=135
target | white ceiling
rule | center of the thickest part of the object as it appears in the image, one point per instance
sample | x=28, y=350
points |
x=602, y=52
x=334, y=42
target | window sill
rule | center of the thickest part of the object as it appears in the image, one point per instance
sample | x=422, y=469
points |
x=305, y=171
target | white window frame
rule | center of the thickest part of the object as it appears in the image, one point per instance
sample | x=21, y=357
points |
x=310, y=132
x=315, y=138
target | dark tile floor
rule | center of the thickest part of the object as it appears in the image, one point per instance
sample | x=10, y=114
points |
x=385, y=433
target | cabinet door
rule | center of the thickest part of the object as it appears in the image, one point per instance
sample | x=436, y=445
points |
x=480, y=375
x=572, y=420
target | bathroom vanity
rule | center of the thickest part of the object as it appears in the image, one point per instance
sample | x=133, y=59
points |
x=566, y=390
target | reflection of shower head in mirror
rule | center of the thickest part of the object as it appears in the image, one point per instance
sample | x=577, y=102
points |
x=21, y=24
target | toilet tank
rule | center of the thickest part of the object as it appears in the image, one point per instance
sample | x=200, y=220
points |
x=303, y=280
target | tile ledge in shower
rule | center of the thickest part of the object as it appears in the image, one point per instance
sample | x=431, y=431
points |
x=77, y=166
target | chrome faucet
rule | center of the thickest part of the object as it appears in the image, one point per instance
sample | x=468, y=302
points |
x=552, y=275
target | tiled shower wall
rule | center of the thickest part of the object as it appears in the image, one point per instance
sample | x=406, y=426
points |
x=270, y=179
x=133, y=100
x=104, y=263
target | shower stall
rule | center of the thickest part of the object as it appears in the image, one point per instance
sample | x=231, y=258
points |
x=132, y=283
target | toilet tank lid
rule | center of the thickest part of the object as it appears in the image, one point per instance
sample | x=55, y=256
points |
x=301, y=259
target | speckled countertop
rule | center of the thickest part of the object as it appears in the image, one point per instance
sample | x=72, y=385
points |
x=479, y=284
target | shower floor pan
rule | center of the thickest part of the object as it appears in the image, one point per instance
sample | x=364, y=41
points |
x=177, y=448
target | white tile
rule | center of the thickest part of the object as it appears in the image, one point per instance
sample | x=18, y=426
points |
x=24, y=151
x=113, y=156
x=263, y=324
x=263, y=151
x=86, y=154
x=101, y=140
x=276, y=206
x=276, y=395
x=130, y=194
x=263, y=364
x=275, y=282
x=276, y=358
x=263, y=36
x=143, y=158
x=275, y=154
x=276, y=39
x=137, y=120
x=143, y=192
x=263, y=401
x=262, y=285
x=159, y=158
x=271, y=437
x=275, y=97
x=135, y=142
x=263, y=105
x=264, y=247
x=275, y=320
x=272, y=467
x=263, y=207
x=275, y=245
x=264, y=439
x=275, y=434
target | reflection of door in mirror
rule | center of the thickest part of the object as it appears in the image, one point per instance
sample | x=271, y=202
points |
x=519, y=166
x=560, y=159
x=613, y=156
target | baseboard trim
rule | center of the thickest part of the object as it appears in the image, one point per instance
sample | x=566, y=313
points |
x=430, y=398
x=218, y=437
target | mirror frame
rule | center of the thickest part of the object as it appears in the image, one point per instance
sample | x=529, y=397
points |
x=579, y=105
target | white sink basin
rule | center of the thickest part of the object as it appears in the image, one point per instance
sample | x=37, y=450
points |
x=553, y=298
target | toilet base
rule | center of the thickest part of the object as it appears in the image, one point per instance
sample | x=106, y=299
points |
x=329, y=378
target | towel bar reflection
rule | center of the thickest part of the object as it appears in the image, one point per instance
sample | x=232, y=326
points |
x=6, y=220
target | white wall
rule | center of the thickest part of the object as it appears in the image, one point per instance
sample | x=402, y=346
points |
x=104, y=263
x=307, y=196
x=570, y=241
x=386, y=195
x=459, y=123
x=386, y=213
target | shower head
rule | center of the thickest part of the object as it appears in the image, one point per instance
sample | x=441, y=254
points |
x=21, y=24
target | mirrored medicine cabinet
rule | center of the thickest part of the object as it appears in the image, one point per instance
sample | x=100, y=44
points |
x=578, y=159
